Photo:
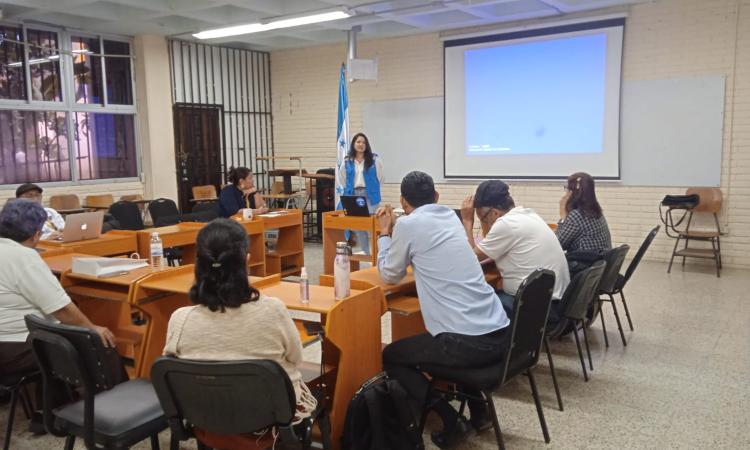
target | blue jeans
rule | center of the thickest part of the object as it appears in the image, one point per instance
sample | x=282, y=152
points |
x=507, y=300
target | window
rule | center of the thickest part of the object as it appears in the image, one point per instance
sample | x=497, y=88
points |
x=67, y=108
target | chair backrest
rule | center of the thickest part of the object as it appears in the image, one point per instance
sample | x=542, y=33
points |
x=641, y=251
x=205, y=192
x=581, y=291
x=64, y=201
x=75, y=354
x=530, y=311
x=127, y=214
x=231, y=397
x=614, y=259
x=164, y=212
x=277, y=187
x=131, y=197
x=101, y=201
x=710, y=199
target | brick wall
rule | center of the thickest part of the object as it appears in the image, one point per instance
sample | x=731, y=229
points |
x=663, y=39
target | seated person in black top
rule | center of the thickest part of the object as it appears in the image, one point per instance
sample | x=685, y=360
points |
x=240, y=193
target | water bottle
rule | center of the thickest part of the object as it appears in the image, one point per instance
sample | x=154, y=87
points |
x=341, y=271
x=304, y=288
x=157, y=251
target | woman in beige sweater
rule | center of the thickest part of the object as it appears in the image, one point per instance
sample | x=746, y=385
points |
x=231, y=320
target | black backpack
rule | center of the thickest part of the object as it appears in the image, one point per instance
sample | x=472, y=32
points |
x=380, y=417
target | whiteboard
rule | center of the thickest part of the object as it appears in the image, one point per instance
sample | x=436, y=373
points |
x=671, y=133
x=407, y=135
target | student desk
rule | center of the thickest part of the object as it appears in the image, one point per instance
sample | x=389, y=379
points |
x=401, y=298
x=115, y=242
x=351, y=346
x=288, y=257
x=335, y=224
x=59, y=263
x=185, y=234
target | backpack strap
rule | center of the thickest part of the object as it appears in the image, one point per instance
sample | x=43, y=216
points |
x=376, y=417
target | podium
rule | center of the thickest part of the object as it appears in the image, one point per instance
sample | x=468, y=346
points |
x=335, y=224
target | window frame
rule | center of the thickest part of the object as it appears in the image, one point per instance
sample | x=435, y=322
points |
x=70, y=107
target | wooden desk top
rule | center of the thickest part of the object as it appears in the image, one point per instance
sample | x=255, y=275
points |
x=318, y=176
x=62, y=262
x=285, y=172
x=372, y=276
x=290, y=218
x=115, y=242
x=120, y=280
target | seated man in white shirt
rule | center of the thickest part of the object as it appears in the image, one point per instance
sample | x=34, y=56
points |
x=518, y=240
x=27, y=286
x=465, y=322
x=55, y=223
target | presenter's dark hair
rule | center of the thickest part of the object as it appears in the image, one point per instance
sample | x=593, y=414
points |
x=21, y=219
x=221, y=267
x=583, y=195
x=369, y=158
x=237, y=173
x=418, y=189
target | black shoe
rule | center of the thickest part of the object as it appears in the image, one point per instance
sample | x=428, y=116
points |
x=452, y=436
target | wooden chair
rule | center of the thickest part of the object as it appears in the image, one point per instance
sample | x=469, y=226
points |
x=204, y=193
x=65, y=204
x=103, y=201
x=710, y=203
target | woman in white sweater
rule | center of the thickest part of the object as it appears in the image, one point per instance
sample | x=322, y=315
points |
x=231, y=320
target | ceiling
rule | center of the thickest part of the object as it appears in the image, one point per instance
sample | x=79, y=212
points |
x=180, y=18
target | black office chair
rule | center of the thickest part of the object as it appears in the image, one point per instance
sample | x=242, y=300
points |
x=114, y=412
x=530, y=310
x=614, y=259
x=204, y=211
x=164, y=212
x=127, y=214
x=232, y=398
x=623, y=279
x=570, y=312
x=16, y=384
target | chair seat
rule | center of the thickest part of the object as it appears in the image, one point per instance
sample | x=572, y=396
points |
x=127, y=413
x=479, y=378
x=700, y=234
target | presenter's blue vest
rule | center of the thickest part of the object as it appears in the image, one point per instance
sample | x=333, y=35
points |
x=372, y=184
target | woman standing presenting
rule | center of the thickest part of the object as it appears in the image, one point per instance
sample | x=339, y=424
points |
x=362, y=175
x=240, y=193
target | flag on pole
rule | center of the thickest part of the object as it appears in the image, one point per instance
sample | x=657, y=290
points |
x=342, y=144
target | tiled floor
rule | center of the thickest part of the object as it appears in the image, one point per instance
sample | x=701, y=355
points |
x=683, y=381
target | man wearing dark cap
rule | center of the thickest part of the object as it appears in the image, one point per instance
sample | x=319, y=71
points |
x=55, y=223
x=465, y=322
x=516, y=238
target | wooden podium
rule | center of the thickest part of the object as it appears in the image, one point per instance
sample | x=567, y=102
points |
x=335, y=224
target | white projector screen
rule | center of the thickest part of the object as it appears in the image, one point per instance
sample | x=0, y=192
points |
x=534, y=104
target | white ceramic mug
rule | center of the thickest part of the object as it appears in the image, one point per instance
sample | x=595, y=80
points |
x=247, y=213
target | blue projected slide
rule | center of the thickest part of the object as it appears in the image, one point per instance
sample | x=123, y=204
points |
x=542, y=97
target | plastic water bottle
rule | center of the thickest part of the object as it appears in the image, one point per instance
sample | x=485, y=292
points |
x=304, y=288
x=157, y=251
x=341, y=283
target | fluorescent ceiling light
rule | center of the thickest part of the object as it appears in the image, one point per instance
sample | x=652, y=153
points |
x=274, y=25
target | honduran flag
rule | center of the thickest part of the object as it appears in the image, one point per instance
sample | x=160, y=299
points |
x=342, y=144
